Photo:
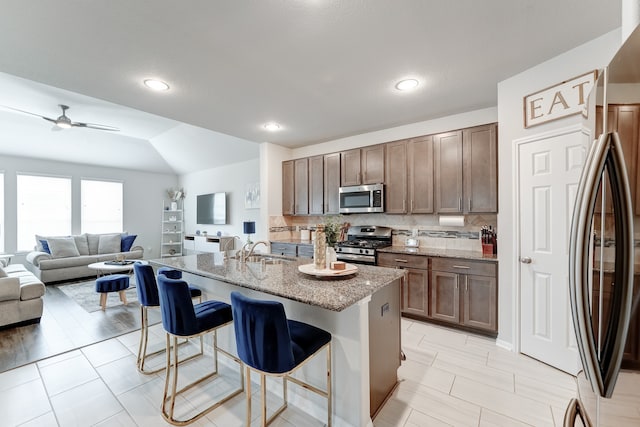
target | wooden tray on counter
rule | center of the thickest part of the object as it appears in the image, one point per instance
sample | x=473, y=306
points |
x=311, y=270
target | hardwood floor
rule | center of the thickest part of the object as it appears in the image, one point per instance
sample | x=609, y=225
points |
x=66, y=326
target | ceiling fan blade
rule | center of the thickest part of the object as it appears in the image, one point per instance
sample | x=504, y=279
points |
x=25, y=112
x=95, y=126
x=48, y=119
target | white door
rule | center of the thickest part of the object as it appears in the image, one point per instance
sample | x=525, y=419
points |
x=549, y=170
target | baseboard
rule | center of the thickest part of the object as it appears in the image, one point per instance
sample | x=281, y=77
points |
x=504, y=344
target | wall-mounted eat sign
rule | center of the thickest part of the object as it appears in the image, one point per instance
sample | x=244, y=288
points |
x=561, y=100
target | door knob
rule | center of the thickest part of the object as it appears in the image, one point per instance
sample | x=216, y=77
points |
x=525, y=260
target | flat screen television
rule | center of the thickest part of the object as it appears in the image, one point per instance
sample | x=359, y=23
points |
x=211, y=208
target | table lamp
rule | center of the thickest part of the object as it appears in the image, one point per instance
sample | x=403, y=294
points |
x=249, y=229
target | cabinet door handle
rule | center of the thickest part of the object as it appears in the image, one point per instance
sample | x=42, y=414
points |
x=461, y=266
x=401, y=260
x=460, y=204
x=411, y=205
x=466, y=284
x=469, y=209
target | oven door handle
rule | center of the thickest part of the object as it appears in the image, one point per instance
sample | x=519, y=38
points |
x=363, y=259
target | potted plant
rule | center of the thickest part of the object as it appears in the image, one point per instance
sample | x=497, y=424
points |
x=332, y=229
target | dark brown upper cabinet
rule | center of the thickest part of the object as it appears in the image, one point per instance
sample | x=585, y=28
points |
x=301, y=186
x=466, y=170
x=448, y=172
x=420, y=174
x=480, y=169
x=624, y=119
x=409, y=176
x=396, y=179
x=316, y=185
x=362, y=166
x=287, y=188
x=331, y=183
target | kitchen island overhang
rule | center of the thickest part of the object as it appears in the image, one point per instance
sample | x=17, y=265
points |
x=362, y=312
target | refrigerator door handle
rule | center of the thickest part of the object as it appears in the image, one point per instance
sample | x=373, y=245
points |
x=575, y=412
x=602, y=370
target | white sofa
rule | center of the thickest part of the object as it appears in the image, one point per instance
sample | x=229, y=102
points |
x=20, y=296
x=69, y=256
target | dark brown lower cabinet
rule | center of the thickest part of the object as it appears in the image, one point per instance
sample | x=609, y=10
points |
x=415, y=292
x=457, y=292
x=464, y=293
x=415, y=289
x=292, y=249
x=480, y=298
x=445, y=296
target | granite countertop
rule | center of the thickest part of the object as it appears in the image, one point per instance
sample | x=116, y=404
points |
x=284, y=279
x=443, y=253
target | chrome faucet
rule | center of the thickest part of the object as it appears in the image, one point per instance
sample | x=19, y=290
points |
x=244, y=257
x=240, y=254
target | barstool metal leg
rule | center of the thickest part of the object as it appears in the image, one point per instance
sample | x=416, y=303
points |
x=172, y=376
x=286, y=377
x=263, y=399
x=142, y=347
x=144, y=341
x=329, y=406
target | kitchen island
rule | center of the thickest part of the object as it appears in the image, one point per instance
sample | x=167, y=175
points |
x=361, y=311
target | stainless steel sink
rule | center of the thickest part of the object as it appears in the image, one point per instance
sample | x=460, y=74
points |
x=265, y=259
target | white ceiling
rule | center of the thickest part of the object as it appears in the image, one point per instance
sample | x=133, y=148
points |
x=324, y=69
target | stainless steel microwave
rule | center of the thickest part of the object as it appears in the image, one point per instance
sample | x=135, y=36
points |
x=362, y=198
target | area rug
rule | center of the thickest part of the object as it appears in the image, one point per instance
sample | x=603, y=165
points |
x=85, y=295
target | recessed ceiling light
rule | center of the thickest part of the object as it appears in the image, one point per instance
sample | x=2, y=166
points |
x=407, y=84
x=272, y=126
x=154, y=84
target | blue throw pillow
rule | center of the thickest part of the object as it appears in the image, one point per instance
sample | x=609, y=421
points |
x=45, y=246
x=127, y=242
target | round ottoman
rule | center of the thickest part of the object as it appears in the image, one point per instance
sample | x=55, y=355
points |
x=112, y=283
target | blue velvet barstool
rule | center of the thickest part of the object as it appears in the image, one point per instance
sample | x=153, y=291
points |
x=147, y=290
x=182, y=319
x=273, y=345
x=172, y=273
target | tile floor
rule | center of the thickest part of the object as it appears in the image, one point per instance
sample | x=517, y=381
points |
x=449, y=379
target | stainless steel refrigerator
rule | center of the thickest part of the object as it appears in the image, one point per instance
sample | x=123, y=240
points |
x=602, y=267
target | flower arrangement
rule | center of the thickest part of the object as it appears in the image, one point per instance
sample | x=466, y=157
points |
x=177, y=194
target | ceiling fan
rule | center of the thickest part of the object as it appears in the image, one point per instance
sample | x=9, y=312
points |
x=64, y=122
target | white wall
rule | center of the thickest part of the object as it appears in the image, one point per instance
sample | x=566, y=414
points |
x=143, y=196
x=271, y=158
x=231, y=179
x=592, y=55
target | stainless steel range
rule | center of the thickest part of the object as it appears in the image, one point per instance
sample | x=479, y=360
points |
x=362, y=244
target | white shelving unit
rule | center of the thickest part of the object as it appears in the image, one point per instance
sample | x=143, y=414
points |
x=172, y=230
